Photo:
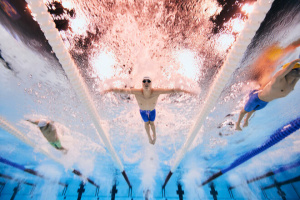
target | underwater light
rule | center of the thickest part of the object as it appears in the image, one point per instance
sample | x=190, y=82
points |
x=188, y=64
x=104, y=64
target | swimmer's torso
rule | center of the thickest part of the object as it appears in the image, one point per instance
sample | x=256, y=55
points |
x=147, y=103
x=49, y=132
x=277, y=89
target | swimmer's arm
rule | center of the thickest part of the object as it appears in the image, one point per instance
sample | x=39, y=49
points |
x=170, y=91
x=36, y=122
x=33, y=122
x=123, y=90
x=295, y=44
x=282, y=73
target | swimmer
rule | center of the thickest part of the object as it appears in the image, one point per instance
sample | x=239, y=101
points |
x=281, y=84
x=147, y=100
x=49, y=131
x=265, y=64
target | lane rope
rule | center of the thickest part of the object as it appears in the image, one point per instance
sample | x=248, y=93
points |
x=47, y=25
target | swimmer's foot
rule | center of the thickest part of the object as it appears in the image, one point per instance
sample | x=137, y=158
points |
x=245, y=124
x=150, y=140
x=63, y=150
x=237, y=127
x=154, y=140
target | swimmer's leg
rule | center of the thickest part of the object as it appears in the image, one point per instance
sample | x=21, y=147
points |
x=247, y=118
x=147, y=127
x=58, y=146
x=64, y=150
x=238, y=123
x=152, y=125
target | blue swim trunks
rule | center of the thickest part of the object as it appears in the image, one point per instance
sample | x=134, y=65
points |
x=254, y=103
x=148, y=115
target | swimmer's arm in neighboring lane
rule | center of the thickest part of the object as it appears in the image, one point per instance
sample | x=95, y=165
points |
x=282, y=73
x=33, y=122
x=295, y=44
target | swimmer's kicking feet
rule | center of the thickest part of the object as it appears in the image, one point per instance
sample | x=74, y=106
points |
x=147, y=99
x=281, y=84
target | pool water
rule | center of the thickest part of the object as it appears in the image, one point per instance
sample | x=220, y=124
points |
x=114, y=44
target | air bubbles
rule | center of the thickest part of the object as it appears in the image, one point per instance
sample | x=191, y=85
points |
x=67, y=4
x=225, y=41
x=79, y=25
x=28, y=90
x=247, y=8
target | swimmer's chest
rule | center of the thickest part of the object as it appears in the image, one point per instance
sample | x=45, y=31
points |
x=49, y=129
x=146, y=100
x=282, y=88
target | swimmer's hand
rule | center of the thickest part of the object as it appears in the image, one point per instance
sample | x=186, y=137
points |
x=33, y=122
x=194, y=93
x=106, y=91
x=186, y=91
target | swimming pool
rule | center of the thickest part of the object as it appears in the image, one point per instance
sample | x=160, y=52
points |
x=116, y=46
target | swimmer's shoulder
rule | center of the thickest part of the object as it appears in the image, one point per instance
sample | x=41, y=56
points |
x=136, y=91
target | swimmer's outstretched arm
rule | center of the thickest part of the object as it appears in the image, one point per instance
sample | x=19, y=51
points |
x=123, y=90
x=170, y=91
x=36, y=122
x=282, y=73
x=33, y=122
x=295, y=44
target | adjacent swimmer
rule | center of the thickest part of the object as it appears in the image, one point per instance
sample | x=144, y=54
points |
x=49, y=131
x=281, y=84
x=147, y=99
x=270, y=57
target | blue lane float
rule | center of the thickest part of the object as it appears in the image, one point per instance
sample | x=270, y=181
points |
x=33, y=172
x=15, y=165
x=21, y=167
x=272, y=173
x=276, y=137
x=287, y=167
x=17, y=180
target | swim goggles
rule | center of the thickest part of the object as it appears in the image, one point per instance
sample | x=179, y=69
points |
x=146, y=81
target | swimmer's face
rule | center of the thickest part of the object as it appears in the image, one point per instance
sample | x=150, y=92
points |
x=146, y=83
x=295, y=72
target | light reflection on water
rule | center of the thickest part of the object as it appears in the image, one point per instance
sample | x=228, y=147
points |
x=145, y=35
